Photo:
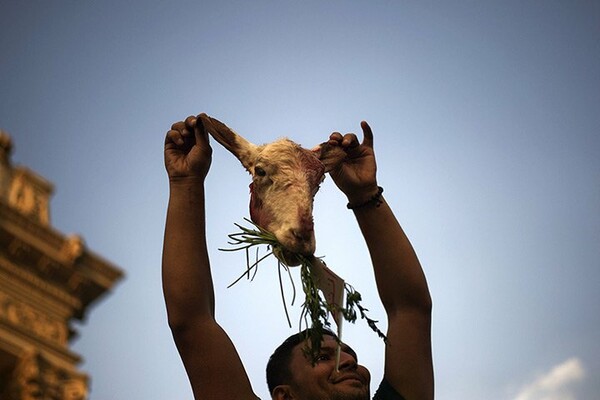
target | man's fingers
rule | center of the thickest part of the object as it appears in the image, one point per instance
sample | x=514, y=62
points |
x=178, y=126
x=185, y=127
x=182, y=127
x=200, y=130
x=367, y=134
x=181, y=131
x=335, y=136
x=174, y=136
x=350, y=141
x=190, y=122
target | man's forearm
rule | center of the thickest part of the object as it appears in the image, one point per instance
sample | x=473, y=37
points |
x=187, y=281
x=400, y=280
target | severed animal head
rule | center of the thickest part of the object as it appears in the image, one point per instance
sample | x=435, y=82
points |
x=285, y=179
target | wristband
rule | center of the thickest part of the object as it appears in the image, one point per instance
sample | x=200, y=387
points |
x=375, y=200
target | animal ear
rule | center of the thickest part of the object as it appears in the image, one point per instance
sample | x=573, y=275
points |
x=331, y=156
x=244, y=150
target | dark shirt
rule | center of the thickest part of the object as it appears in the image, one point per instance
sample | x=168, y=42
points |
x=386, y=392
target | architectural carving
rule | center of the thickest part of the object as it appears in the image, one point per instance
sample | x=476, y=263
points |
x=36, y=378
x=47, y=279
x=30, y=193
x=22, y=316
x=75, y=389
x=73, y=248
x=24, y=383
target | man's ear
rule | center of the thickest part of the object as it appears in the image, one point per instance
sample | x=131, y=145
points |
x=282, y=392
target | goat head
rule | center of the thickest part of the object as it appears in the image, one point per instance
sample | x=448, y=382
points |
x=285, y=179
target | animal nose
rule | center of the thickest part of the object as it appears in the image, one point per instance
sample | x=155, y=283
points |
x=302, y=234
x=306, y=224
x=304, y=229
x=302, y=240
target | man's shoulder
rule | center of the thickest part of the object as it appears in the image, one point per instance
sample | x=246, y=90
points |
x=385, y=391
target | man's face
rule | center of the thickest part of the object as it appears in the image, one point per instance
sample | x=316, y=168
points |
x=322, y=381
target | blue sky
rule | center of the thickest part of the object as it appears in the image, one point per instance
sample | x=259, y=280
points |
x=486, y=118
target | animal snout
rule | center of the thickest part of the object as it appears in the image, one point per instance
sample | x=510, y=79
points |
x=304, y=230
x=302, y=240
x=302, y=234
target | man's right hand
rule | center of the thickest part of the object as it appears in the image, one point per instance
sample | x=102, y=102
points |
x=187, y=151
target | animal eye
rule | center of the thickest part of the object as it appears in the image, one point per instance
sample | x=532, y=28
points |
x=259, y=171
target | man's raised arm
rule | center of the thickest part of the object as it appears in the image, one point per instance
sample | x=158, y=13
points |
x=210, y=359
x=400, y=280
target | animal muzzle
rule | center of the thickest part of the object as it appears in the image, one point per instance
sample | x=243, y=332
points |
x=303, y=242
x=297, y=237
x=298, y=240
x=295, y=244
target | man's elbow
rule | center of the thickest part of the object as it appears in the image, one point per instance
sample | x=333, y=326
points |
x=426, y=304
x=184, y=310
x=421, y=303
x=180, y=323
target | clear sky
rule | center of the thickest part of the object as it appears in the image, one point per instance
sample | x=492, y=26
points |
x=486, y=118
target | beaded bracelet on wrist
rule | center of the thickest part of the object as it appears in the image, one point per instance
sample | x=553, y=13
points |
x=375, y=200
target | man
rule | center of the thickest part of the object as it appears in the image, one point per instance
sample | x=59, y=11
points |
x=210, y=358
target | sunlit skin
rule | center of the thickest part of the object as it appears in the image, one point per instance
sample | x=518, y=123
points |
x=211, y=360
x=321, y=380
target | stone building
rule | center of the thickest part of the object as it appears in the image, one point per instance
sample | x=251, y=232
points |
x=47, y=279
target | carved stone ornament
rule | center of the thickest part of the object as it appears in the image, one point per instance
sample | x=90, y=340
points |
x=30, y=194
x=75, y=389
x=25, y=316
x=73, y=248
x=25, y=382
x=35, y=378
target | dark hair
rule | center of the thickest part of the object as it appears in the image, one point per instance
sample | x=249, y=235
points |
x=278, y=367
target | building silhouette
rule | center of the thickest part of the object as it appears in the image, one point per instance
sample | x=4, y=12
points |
x=47, y=280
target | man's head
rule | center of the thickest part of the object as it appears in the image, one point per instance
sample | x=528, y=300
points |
x=291, y=374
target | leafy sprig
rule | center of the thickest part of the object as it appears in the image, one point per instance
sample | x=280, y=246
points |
x=315, y=310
